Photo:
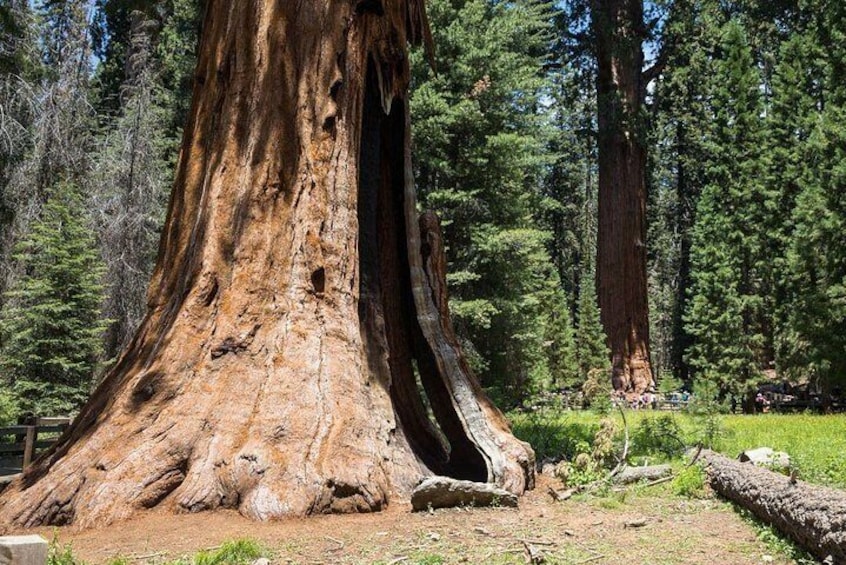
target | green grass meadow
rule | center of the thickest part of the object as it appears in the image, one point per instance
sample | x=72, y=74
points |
x=816, y=444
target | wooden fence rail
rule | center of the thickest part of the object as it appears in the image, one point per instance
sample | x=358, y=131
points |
x=26, y=443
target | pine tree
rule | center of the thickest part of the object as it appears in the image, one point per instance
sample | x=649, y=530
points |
x=176, y=56
x=682, y=125
x=17, y=45
x=54, y=138
x=51, y=325
x=571, y=180
x=112, y=39
x=62, y=124
x=18, y=71
x=815, y=287
x=791, y=121
x=729, y=308
x=560, y=342
x=591, y=342
x=480, y=135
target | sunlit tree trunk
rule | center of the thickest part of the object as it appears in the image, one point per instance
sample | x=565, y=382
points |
x=297, y=310
x=621, y=246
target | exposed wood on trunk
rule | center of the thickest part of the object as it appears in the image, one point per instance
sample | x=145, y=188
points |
x=290, y=307
x=621, y=244
x=813, y=516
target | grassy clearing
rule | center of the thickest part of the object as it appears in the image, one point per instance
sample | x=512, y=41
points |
x=817, y=444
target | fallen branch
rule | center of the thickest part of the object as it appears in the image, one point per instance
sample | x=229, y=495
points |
x=340, y=543
x=533, y=555
x=147, y=556
x=536, y=542
x=660, y=481
x=561, y=495
x=696, y=456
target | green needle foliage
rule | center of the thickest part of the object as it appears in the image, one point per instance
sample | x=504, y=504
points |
x=51, y=326
x=728, y=313
x=480, y=145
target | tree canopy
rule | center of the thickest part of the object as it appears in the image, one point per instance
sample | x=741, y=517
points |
x=743, y=123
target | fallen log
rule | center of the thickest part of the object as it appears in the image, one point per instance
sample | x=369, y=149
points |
x=649, y=473
x=813, y=516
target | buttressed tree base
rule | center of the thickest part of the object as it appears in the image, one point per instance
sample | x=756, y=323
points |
x=298, y=306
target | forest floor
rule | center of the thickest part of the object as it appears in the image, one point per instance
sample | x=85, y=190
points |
x=667, y=529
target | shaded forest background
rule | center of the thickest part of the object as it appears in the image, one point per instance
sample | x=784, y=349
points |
x=745, y=129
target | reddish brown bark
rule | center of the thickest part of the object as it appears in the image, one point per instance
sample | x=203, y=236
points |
x=621, y=249
x=290, y=313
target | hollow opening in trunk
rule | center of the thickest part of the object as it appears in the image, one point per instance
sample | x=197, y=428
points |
x=387, y=313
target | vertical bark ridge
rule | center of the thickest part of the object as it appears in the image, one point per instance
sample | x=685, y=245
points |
x=510, y=462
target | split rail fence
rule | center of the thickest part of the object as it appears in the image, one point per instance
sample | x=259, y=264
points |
x=20, y=445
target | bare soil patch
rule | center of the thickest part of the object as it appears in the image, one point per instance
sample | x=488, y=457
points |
x=649, y=526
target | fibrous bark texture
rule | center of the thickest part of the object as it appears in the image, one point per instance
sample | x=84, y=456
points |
x=621, y=249
x=297, y=355
x=813, y=516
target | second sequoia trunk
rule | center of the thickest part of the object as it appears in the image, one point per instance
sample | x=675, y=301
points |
x=621, y=242
x=297, y=356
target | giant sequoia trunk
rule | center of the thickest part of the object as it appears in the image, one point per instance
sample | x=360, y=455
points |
x=621, y=249
x=297, y=338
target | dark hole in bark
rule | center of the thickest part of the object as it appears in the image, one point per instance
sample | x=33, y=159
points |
x=370, y=7
x=329, y=125
x=335, y=89
x=318, y=281
x=387, y=304
x=147, y=387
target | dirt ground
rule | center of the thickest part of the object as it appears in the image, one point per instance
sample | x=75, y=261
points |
x=591, y=530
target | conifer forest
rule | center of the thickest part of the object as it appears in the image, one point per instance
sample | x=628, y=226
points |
x=265, y=259
x=737, y=116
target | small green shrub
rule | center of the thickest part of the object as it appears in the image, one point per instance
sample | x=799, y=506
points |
x=592, y=460
x=690, y=482
x=61, y=554
x=661, y=436
x=236, y=552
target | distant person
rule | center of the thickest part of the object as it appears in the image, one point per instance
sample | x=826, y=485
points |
x=761, y=403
